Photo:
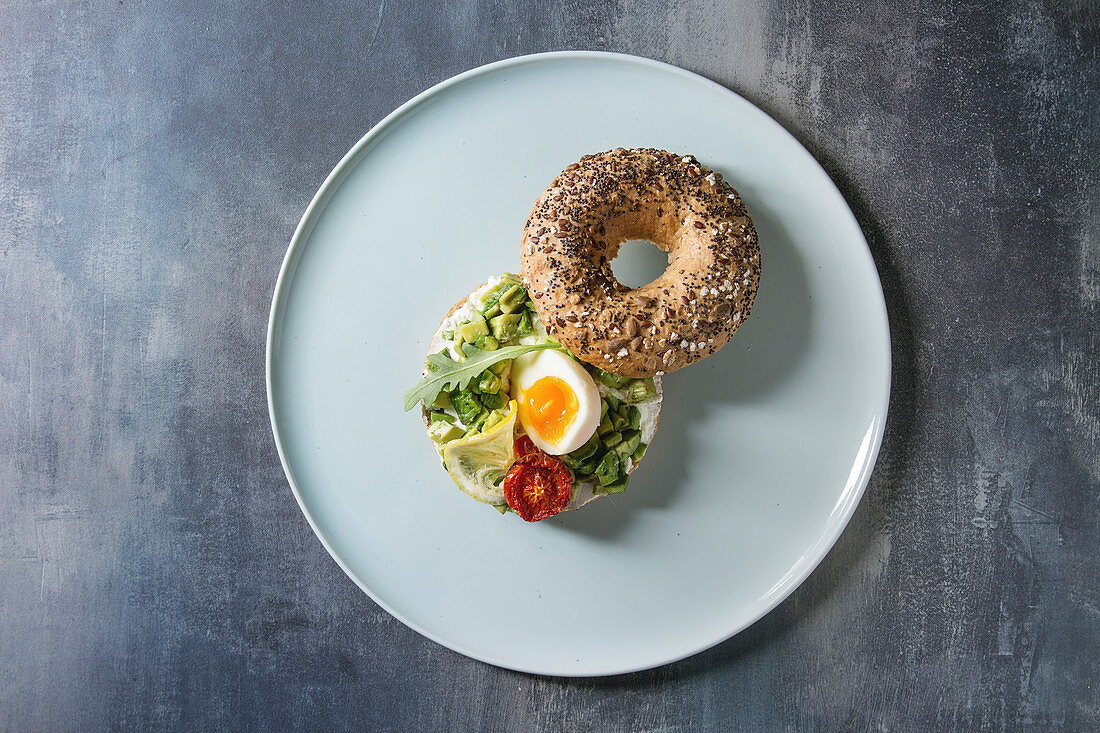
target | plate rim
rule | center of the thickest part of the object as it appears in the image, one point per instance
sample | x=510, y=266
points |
x=797, y=574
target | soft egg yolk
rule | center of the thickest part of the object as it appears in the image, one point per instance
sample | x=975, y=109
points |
x=549, y=407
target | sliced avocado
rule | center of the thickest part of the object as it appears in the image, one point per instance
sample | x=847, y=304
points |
x=438, y=416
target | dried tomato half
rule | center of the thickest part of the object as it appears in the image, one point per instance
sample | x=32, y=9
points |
x=524, y=446
x=537, y=485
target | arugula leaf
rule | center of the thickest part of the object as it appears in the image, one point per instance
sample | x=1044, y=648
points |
x=446, y=373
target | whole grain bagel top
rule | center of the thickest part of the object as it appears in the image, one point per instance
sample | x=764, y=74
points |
x=595, y=205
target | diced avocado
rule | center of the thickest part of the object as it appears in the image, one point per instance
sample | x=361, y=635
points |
x=637, y=455
x=466, y=405
x=613, y=402
x=612, y=439
x=615, y=487
x=571, y=460
x=526, y=325
x=641, y=390
x=588, y=465
x=512, y=299
x=500, y=367
x=609, y=469
x=631, y=440
x=487, y=382
x=487, y=343
x=489, y=308
x=477, y=424
x=618, y=421
x=494, y=417
x=442, y=402
x=588, y=448
x=504, y=327
x=472, y=331
x=494, y=400
x=438, y=416
x=613, y=380
x=603, y=409
x=502, y=508
x=448, y=335
x=635, y=416
x=605, y=426
x=444, y=432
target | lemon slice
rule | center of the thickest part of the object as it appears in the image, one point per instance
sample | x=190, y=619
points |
x=478, y=463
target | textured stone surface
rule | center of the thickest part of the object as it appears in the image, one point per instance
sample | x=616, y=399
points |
x=155, y=571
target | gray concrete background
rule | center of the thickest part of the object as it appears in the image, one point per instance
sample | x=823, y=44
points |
x=155, y=572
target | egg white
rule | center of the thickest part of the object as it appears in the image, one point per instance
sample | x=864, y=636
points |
x=529, y=368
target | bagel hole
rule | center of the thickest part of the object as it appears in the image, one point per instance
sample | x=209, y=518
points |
x=639, y=263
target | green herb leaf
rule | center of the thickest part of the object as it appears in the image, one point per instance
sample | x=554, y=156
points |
x=446, y=373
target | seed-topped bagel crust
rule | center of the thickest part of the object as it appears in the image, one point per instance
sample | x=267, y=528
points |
x=595, y=205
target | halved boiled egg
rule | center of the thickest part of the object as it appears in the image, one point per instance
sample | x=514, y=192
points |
x=559, y=405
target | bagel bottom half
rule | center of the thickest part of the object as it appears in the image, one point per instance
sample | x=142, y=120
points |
x=583, y=491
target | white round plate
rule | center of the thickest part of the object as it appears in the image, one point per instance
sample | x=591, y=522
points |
x=764, y=449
